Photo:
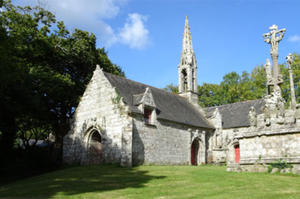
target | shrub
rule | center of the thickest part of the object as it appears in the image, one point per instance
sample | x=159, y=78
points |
x=280, y=165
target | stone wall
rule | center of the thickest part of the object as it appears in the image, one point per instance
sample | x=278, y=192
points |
x=259, y=151
x=165, y=143
x=272, y=139
x=100, y=109
x=269, y=148
x=229, y=139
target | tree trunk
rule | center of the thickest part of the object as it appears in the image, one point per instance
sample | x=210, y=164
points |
x=9, y=130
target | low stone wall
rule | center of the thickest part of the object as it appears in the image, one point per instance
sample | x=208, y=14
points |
x=267, y=149
x=260, y=149
x=264, y=168
x=295, y=168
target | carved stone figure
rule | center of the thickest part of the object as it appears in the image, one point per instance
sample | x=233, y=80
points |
x=252, y=117
x=268, y=72
x=274, y=107
x=274, y=37
x=289, y=60
x=267, y=110
x=280, y=110
x=219, y=139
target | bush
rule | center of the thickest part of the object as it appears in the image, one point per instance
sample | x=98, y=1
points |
x=280, y=165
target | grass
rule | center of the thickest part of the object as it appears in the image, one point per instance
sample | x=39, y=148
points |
x=158, y=182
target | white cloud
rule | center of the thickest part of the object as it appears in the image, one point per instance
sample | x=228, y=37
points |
x=134, y=32
x=294, y=38
x=91, y=15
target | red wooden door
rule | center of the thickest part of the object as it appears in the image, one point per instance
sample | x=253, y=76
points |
x=237, y=153
x=193, y=151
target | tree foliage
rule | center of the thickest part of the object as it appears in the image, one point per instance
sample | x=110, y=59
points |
x=234, y=88
x=44, y=69
x=171, y=88
x=209, y=94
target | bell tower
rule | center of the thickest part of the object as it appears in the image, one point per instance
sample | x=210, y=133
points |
x=187, y=68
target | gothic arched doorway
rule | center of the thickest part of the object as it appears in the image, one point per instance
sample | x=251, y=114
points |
x=195, y=152
x=95, y=147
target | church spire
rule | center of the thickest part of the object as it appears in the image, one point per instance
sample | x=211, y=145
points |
x=187, y=45
x=187, y=68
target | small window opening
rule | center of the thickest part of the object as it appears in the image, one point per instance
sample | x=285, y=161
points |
x=148, y=115
x=193, y=79
x=184, y=79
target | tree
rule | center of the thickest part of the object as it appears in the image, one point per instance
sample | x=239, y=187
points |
x=258, y=82
x=31, y=129
x=230, y=87
x=44, y=71
x=210, y=95
x=171, y=88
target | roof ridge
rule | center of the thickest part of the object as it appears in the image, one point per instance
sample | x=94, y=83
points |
x=144, y=84
x=234, y=103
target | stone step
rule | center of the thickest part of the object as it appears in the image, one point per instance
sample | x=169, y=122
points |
x=234, y=167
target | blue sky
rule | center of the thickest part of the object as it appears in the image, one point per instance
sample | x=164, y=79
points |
x=144, y=36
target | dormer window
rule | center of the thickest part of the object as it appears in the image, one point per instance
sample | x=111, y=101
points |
x=148, y=115
x=146, y=105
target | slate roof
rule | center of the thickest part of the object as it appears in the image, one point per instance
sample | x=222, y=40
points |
x=236, y=114
x=171, y=107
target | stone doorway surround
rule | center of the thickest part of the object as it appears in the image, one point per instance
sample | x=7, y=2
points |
x=195, y=152
x=94, y=146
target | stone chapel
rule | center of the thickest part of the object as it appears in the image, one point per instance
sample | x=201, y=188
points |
x=129, y=123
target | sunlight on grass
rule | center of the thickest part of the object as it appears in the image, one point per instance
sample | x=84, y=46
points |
x=154, y=182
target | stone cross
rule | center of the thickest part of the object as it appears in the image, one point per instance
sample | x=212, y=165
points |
x=274, y=37
x=289, y=60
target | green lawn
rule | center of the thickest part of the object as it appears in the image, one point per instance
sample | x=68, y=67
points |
x=154, y=182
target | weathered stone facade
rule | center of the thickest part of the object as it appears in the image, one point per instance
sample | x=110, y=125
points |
x=100, y=110
x=129, y=123
x=126, y=122
x=125, y=137
x=166, y=143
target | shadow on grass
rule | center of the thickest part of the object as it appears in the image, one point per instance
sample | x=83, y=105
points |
x=78, y=180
